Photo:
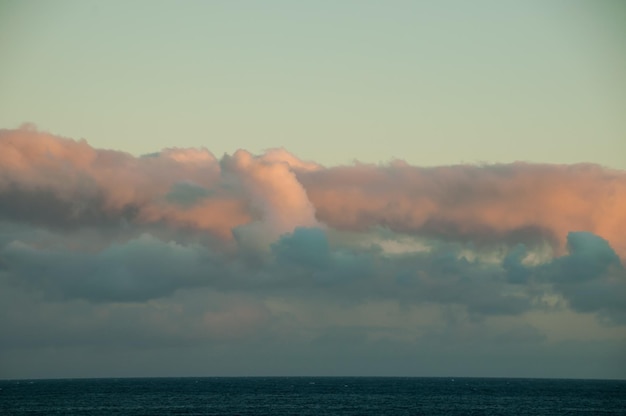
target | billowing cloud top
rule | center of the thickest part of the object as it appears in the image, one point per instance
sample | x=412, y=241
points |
x=107, y=227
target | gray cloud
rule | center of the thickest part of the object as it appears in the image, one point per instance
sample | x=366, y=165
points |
x=591, y=277
x=138, y=270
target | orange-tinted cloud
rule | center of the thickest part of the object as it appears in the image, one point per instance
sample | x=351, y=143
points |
x=61, y=182
x=514, y=202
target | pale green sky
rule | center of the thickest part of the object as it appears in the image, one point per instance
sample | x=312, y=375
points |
x=433, y=83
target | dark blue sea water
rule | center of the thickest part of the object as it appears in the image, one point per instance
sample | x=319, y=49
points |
x=312, y=396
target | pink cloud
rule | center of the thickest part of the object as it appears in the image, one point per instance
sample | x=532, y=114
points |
x=275, y=192
x=477, y=203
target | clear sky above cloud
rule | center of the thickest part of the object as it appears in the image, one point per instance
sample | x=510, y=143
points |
x=171, y=242
x=432, y=82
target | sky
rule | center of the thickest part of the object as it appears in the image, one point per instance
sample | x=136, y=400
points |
x=238, y=188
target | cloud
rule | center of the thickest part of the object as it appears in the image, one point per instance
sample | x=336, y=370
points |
x=305, y=247
x=60, y=183
x=515, y=203
x=137, y=270
x=274, y=194
x=591, y=276
x=178, y=245
x=273, y=214
x=490, y=204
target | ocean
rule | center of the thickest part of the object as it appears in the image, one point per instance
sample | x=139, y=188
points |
x=312, y=396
